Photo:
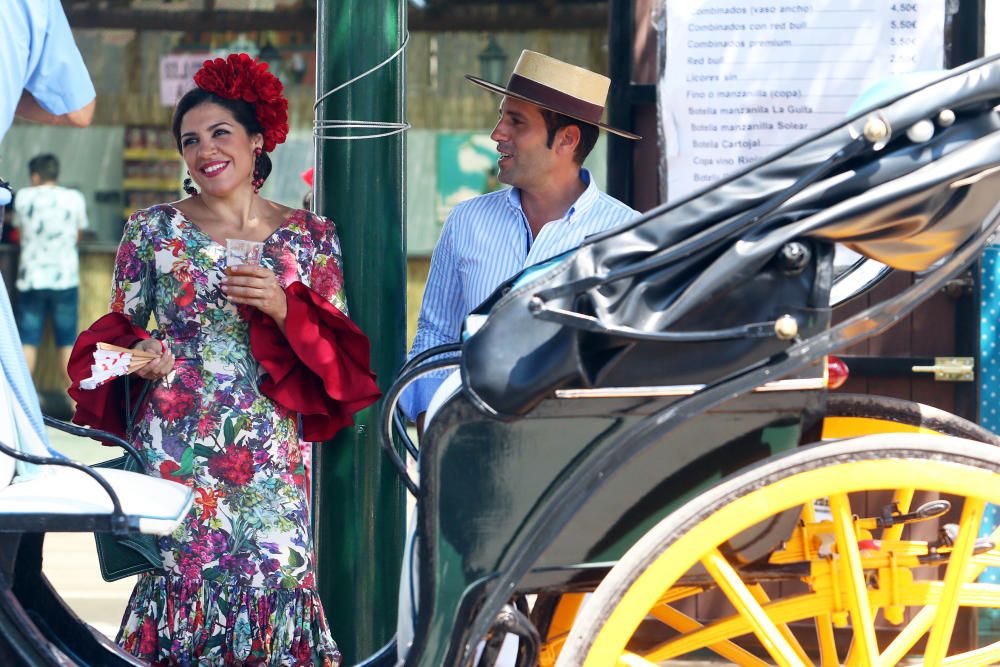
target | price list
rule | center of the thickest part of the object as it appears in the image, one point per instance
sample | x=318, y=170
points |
x=745, y=78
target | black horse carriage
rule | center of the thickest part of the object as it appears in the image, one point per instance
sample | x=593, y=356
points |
x=647, y=419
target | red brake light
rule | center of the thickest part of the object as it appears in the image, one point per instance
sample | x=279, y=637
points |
x=836, y=372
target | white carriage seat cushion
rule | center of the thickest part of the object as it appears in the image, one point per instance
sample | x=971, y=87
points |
x=159, y=504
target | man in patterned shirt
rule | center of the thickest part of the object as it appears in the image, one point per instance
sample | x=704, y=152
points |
x=50, y=219
x=549, y=119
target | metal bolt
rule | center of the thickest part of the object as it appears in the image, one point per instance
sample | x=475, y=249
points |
x=786, y=327
x=876, y=130
x=920, y=131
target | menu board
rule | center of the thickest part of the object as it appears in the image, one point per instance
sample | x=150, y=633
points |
x=745, y=78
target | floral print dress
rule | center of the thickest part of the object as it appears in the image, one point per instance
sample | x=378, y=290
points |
x=239, y=585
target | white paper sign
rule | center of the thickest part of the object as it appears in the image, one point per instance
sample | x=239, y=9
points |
x=745, y=78
x=177, y=75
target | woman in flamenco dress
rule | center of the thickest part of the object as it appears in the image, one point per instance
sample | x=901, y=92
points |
x=254, y=363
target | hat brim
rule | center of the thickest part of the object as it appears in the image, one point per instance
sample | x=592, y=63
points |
x=501, y=90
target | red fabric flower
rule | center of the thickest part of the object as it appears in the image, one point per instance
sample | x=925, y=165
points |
x=174, y=403
x=235, y=466
x=327, y=279
x=303, y=651
x=186, y=296
x=240, y=77
x=149, y=643
x=167, y=470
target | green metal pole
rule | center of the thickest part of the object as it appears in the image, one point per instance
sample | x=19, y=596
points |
x=359, y=185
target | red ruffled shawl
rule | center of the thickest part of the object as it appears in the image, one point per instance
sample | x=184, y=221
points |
x=318, y=368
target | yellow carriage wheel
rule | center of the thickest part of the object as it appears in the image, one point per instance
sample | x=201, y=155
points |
x=853, y=571
x=854, y=415
x=847, y=415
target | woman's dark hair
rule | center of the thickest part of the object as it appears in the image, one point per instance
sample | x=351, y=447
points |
x=242, y=111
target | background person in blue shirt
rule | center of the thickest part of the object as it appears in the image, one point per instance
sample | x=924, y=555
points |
x=549, y=120
x=42, y=78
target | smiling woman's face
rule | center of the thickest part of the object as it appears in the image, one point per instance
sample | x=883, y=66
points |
x=217, y=149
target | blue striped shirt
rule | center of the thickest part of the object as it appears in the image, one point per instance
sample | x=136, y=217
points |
x=485, y=241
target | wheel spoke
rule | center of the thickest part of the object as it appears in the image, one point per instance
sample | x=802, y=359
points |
x=905, y=640
x=827, y=641
x=903, y=498
x=732, y=585
x=865, y=647
x=633, y=660
x=758, y=593
x=986, y=655
x=961, y=554
x=683, y=623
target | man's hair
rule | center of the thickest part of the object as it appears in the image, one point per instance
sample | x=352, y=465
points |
x=555, y=121
x=46, y=166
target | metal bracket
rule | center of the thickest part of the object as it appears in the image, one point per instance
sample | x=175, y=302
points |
x=950, y=369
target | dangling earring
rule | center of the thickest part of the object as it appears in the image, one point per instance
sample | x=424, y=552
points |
x=257, y=181
x=189, y=185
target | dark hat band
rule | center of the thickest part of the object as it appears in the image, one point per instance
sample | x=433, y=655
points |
x=555, y=99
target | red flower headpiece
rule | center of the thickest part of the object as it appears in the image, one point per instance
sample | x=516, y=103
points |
x=240, y=77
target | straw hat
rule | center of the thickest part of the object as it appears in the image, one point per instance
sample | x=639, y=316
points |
x=558, y=86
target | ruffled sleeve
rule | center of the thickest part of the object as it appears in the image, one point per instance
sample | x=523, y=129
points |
x=320, y=367
x=131, y=305
x=104, y=407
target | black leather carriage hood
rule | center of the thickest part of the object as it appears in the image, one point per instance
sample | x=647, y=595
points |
x=863, y=183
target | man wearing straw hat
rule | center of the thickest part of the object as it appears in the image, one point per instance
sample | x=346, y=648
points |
x=549, y=120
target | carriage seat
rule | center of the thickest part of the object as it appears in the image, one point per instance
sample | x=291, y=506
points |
x=56, y=498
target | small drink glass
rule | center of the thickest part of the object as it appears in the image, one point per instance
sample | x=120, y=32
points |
x=241, y=251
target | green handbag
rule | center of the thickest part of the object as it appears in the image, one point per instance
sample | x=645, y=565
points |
x=121, y=557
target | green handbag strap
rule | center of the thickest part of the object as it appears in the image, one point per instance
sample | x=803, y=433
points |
x=131, y=413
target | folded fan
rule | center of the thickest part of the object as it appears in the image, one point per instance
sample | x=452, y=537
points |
x=111, y=361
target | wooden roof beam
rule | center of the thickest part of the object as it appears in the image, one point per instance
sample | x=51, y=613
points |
x=498, y=16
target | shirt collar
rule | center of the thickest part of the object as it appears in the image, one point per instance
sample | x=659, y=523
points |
x=583, y=202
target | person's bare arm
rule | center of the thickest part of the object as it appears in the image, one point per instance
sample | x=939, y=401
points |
x=28, y=108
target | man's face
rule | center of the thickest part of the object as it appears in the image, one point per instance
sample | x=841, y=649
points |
x=525, y=160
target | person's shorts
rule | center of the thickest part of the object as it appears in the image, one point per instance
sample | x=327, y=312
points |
x=33, y=306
